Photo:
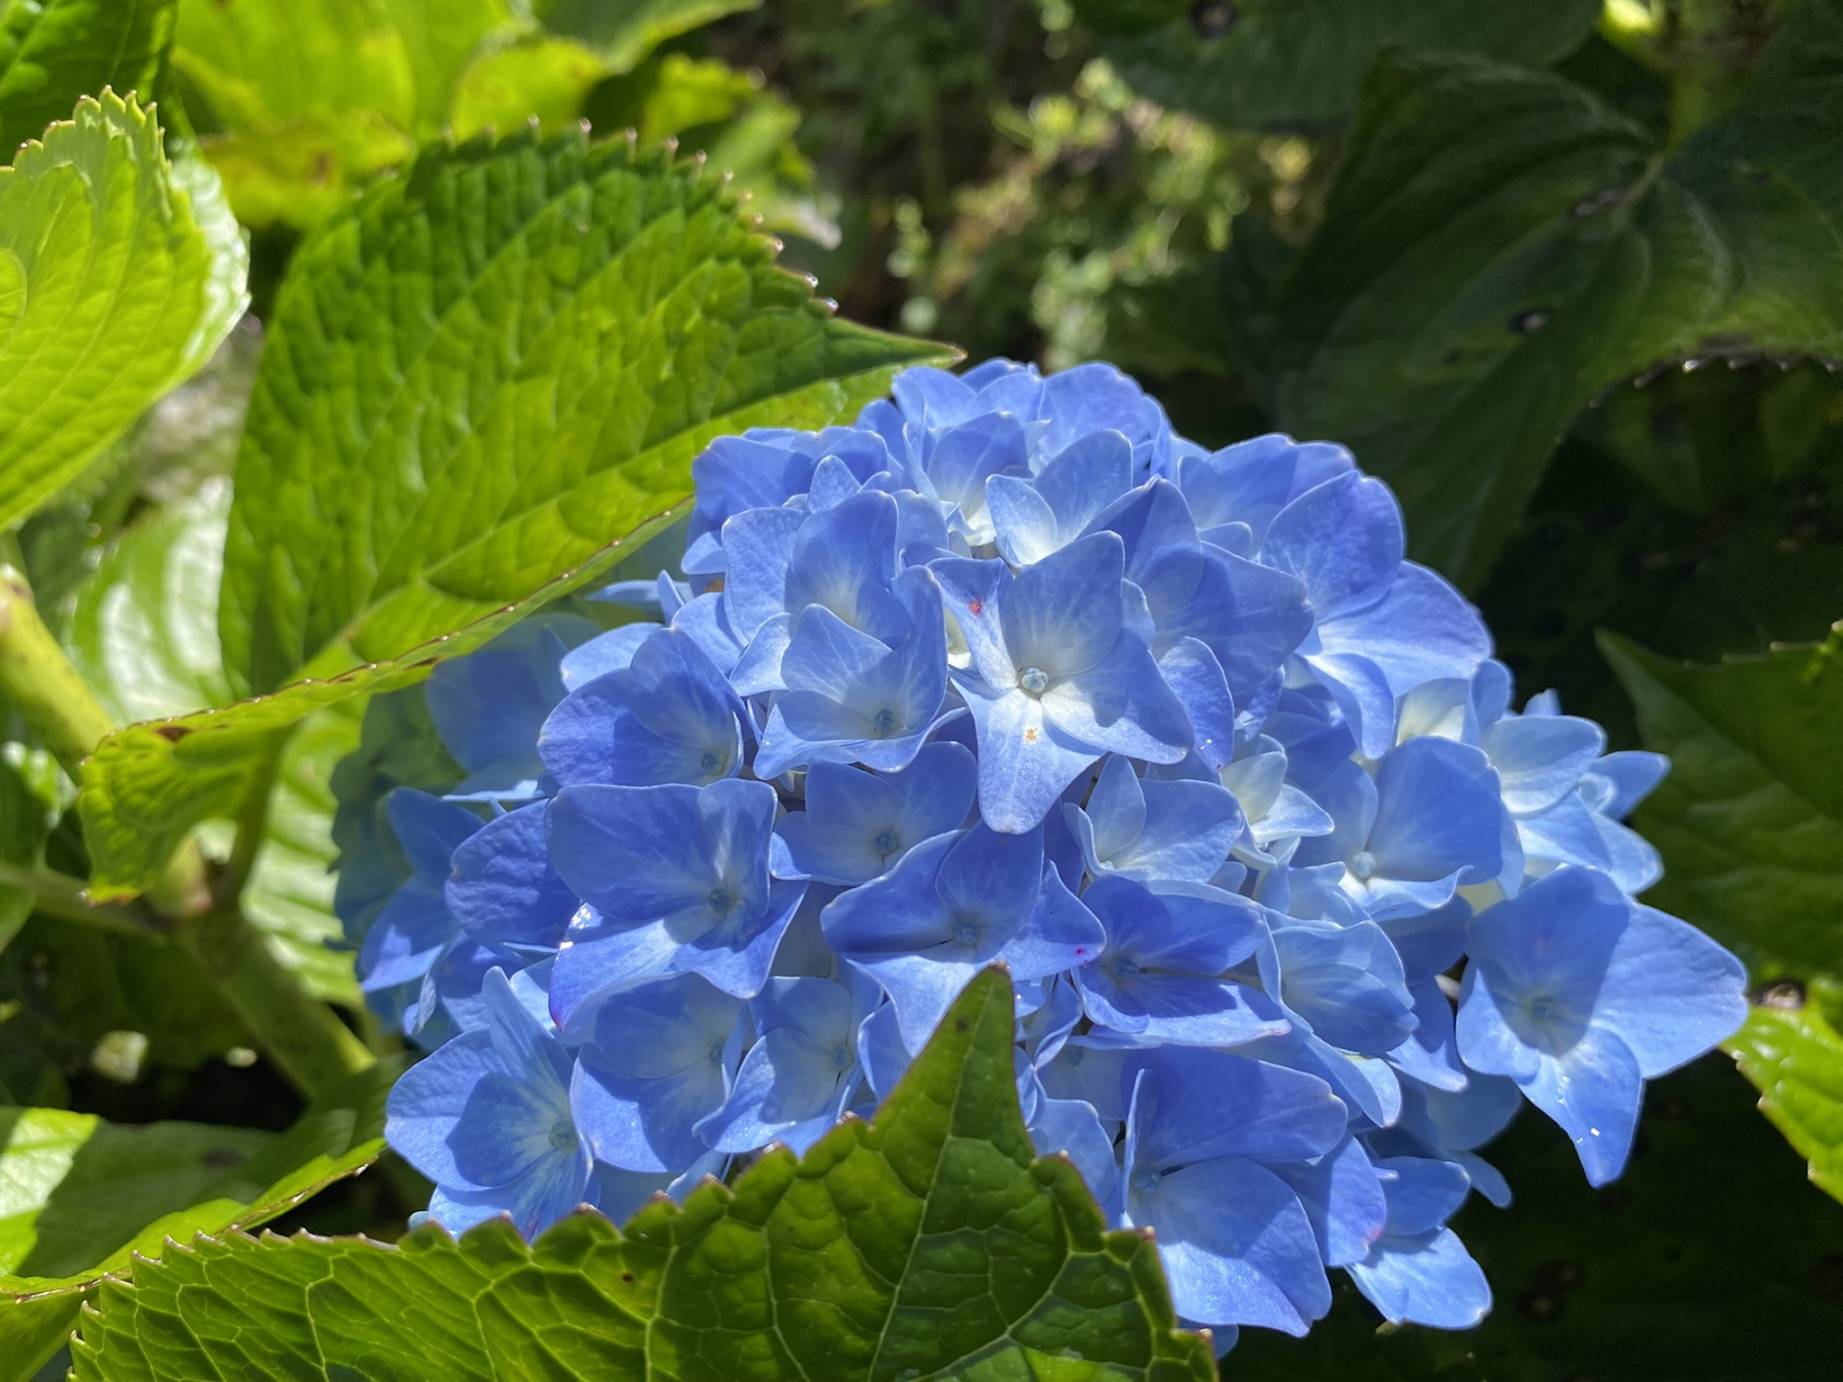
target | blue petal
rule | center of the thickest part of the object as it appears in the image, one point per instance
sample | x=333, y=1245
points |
x=1670, y=992
x=1024, y=762
x=1195, y=1104
x=1236, y=1245
x=1343, y=1197
x=1430, y=1279
x=1592, y=1090
x=502, y=888
x=1540, y=759
x=1343, y=540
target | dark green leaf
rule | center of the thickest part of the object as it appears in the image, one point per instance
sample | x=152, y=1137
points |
x=927, y=1242
x=1261, y=62
x=119, y=275
x=53, y=51
x=79, y=1197
x=1750, y=825
x=1750, y=819
x=1500, y=246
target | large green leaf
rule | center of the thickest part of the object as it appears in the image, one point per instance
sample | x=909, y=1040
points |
x=53, y=51
x=79, y=1197
x=565, y=327
x=568, y=326
x=298, y=100
x=1260, y=62
x=924, y=1243
x=119, y=275
x=1750, y=825
x=1750, y=819
x=1500, y=246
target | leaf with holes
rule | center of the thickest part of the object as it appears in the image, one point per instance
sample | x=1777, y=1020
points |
x=926, y=1242
x=53, y=51
x=1500, y=246
x=119, y=275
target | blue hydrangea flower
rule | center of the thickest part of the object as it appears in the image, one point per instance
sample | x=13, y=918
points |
x=1299, y=909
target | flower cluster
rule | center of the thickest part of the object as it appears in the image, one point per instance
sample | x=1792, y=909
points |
x=1298, y=908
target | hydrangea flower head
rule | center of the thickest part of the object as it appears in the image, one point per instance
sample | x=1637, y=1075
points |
x=1299, y=907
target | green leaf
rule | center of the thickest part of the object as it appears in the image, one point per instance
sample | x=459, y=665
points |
x=53, y=51
x=1794, y=1057
x=298, y=101
x=573, y=324
x=119, y=275
x=927, y=1242
x=1750, y=826
x=626, y=34
x=144, y=633
x=570, y=325
x=32, y=1331
x=1750, y=819
x=1263, y=62
x=1500, y=246
x=144, y=630
x=80, y=1197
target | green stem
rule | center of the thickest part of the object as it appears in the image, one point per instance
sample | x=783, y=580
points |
x=39, y=679
x=302, y=1035
x=59, y=895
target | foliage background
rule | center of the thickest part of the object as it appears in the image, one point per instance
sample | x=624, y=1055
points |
x=1446, y=234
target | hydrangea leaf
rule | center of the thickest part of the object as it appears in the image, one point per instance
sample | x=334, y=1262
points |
x=1750, y=818
x=80, y=1197
x=1750, y=824
x=1794, y=1056
x=144, y=633
x=1260, y=62
x=1451, y=348
x=53, y=51
x=626, y=34
x=300, y=101
x=591, y=317
x=119, y=275
x=924, y=1243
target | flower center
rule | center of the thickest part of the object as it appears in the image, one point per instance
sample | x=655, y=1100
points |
x=886, y=843
x=710, y=762
x=721, y=899
x=562, y=1135
x=883, y=723
x=1145, y=1180
x=1033, y=680
x=966, y=930
x=1125, y=968
x=1363, y=865
x=841, y=1058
